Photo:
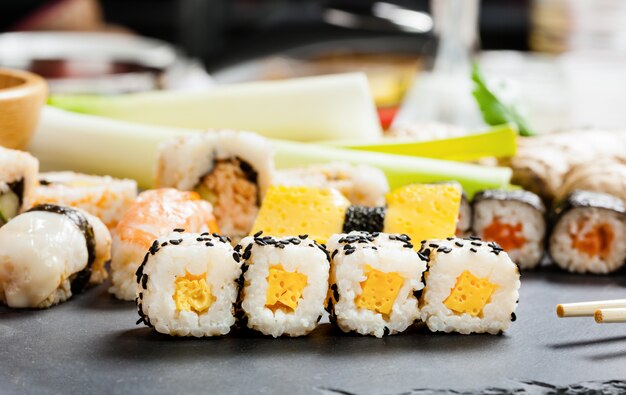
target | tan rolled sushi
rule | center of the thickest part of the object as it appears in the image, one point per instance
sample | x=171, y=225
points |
x=105, y=197
x=154, y=213
x=229, y=169
x=50, y=253
x=18, y=180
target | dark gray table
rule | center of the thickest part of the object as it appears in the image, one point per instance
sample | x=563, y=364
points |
x=91, y=345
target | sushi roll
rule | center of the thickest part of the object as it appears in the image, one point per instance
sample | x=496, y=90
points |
x=375, y=283
x=361, y=184
x=288, y=211
x=472, y=286
x=50, y=253
x=154, y=213
x=588, y=233
x=513, y=219
x=464, y=221
x=423, y=211
x=229, y=169
x=284, y=284
x=18, y=179
x=105, y=197
x=187, y=285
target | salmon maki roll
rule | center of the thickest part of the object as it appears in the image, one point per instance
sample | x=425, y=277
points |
x=155, y=213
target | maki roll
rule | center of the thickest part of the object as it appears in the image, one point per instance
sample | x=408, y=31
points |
x=361, y=184
x=187, y=285
x=375, y=283
x=49, y=253
x=423, y=211
x=515, y=220
x=588, y=233
x=18, y=179
x=472, y=286
x=105, y=197
x=229, y=169
x=284, y=284
x=288, y=211
x=154, y=213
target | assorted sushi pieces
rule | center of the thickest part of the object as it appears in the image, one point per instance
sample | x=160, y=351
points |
x=154, y=213
x=231, y=170
x=472, y=286
x=18, y=179
x=105, y=197
x=376, y=281
x=362, y=185
x=187, y=285
x=50, y=253
x=283, y=285
x=589, y=233
x=515, y=220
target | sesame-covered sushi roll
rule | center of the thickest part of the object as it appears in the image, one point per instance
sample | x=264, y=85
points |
x=187, y=285
x=588, y=233
x=230, y=169
x=284, y=284
x=154, y=213
x=515, y=220
x=105, y=197
x=287, y=211
x=376, y=281
x=363, y=185
x=364, y=219
x=18, y=179
x=49, y=253
x=472, y=286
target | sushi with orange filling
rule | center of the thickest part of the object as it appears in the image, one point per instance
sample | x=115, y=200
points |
x=513, y=219
x=154, y=214
x=588, y=233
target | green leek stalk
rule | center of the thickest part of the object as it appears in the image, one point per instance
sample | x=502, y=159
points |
x=302, y=109
x=499, y=141
x=97, y=145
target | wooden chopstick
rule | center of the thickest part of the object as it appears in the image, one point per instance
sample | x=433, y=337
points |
x=588, y=309
x=605, y=316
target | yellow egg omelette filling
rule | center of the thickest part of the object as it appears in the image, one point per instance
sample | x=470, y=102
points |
x=192, y=293
x=470, y=294
x=423, y=211
x=284, y=289
x=289, y=211
x=379, y=291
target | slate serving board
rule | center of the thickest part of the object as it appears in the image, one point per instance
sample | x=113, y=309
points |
x=92, y=345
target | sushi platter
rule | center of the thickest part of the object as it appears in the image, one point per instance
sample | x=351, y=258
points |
x=175, y=242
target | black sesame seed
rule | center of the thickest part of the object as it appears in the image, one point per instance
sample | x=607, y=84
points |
x=458, y=244
x=408, y=245
x=246, y=254
x=208, y=244
x=144, y=281
x=473, y=250
x=176, y=242
x=294, y=241
x=179, y=230
x=139, y=321
x=474, y=243
x=238, y=247
x=449, y=238
x=386, y=331
x=374, y=248
x=474, y=238
x=433, y=245
x=423, y=257
x=259, y=233
x=204, y=234
x=236, y=256
x=348, y=252
x=303, y=236
x=248, y=247
x=164, y=244
x=199, y=239
x=513, y=317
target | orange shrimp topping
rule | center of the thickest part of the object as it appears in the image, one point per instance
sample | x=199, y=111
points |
x=508, y=236
x=595, y=242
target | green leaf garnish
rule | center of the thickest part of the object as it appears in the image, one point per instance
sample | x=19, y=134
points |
x=494, y=110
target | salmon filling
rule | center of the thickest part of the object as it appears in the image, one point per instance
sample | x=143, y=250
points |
x=595, y=242
x=510, y=237
x=192, y=293
x=231, y=187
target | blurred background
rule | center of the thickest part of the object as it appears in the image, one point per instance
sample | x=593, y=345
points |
x=542, y=52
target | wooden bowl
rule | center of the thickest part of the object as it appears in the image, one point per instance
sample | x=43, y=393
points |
x=22, y=94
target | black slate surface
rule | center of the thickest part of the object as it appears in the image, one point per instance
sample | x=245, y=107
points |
x=91, y=345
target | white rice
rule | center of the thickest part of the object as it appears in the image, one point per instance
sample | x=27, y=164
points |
x=363, y=185
x=512, y=213
x=17, y=165
x=105, y=197
x=566, y=257
x=306, y=257
x=348, y=271
x=482, y=262
x=192, y=255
